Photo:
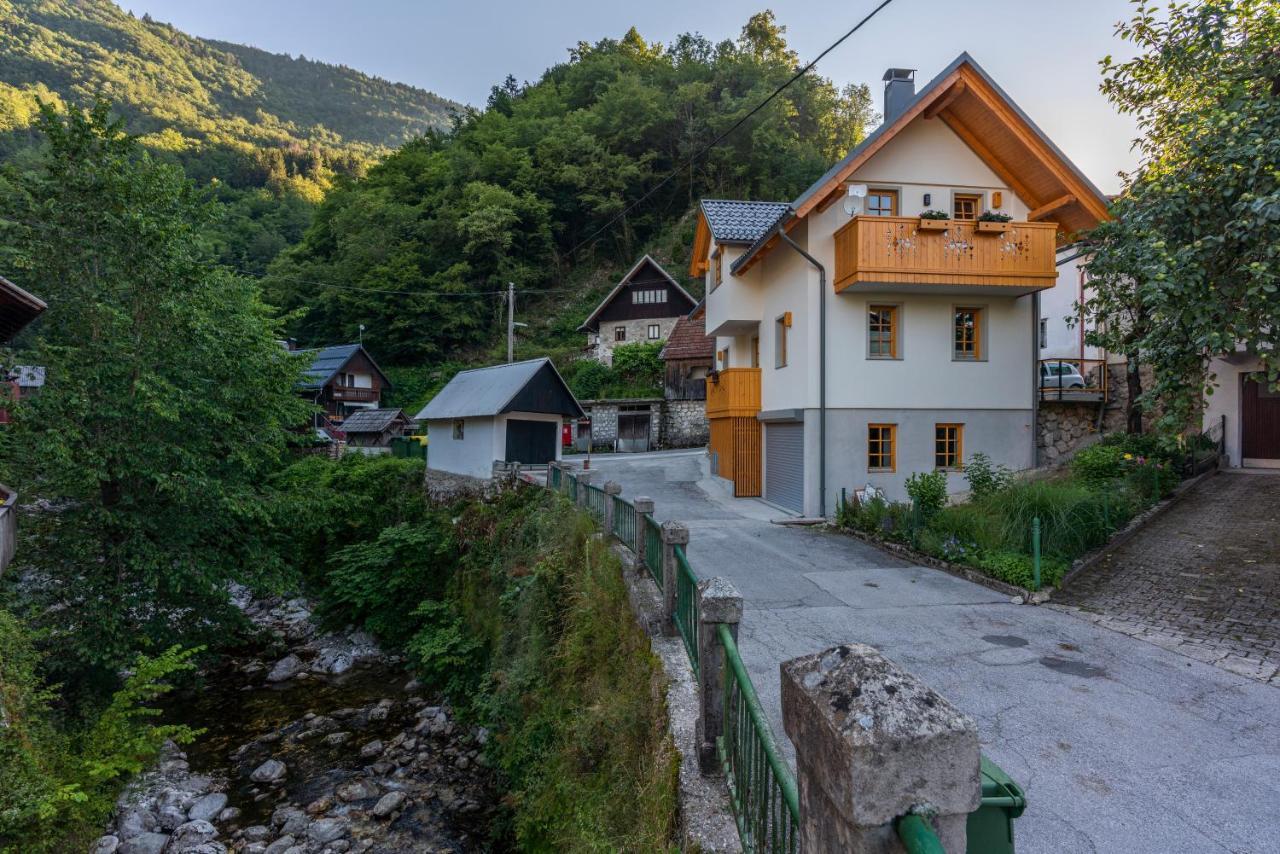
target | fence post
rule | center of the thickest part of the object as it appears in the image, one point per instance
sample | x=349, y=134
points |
x=718, y=602
x=873, y=744
x=673, y=534
x=584, y=479
x=1035, y=553
x=644, y=507
x=611, y=488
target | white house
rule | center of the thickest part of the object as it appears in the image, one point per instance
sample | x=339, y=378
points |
x=859, y=341
x=1246, y=410
x=503, y=413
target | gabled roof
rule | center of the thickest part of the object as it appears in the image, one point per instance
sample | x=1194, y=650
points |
x=17, y=309
x=730, y=221
x=626, y=280
x=532, y=386
x=689, y=339
x=971, y=104
x=372, y=420
x=327, y=361
x=28, y=376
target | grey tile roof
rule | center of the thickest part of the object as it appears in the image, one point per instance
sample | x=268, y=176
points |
x=489, y=391
x=370, y=420
x=740, y=222
x=325, y=362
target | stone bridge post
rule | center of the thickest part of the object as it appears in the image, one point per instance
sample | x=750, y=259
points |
x=673, y=534
x=611, y=488
x=644, y=508
x=718, y=602
x=873, y=744
x=584, y=478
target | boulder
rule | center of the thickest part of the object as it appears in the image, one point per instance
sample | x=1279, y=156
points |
x=106, y=845
x=207, y=807
x=228, y=814
x=326, y=830
x=357, y=790
x=137, y=821
x=336, y=738
x=281, y=845
x=257, y=833
x=371, y=749
x=286, y=668
x=389, y=803
x=271, y=771
x=145, y=843
x=192, y=835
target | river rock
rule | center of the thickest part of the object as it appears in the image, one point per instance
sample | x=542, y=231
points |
x=228, y=814
x=137, y=821
x=207, y=807
x=291, y=820
x=336, y=738
x=106, y=845
x=319, y=805
x=192, y=835
x=326, y=830
x=371, y=749
x=256, y=833
x=381, y=711
x=281, y=845
x=145, y=843
x=286, y=668
x=271, y=771
x=357, y=790
x=389, y=803
x=332, y=661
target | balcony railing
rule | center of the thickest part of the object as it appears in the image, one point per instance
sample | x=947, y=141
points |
x=897, y=251
x=733, y=392
x=355, y=394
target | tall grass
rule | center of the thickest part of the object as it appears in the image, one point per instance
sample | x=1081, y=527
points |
x=1073, y=517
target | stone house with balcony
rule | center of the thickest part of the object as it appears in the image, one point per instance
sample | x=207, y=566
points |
x=643, y=307
x=885, y=322
x=342, y=379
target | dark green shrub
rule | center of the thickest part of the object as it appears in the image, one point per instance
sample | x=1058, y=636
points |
x=985, y=478
x=1017, y=568
x=928, y=491
x=1098, y=464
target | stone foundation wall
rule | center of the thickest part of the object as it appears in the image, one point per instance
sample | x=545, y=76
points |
x=1062, y=428
x=673, y=423
x=684, y=424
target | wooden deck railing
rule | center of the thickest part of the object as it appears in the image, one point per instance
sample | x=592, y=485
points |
x=733, y=401
x=911, y=251
x=733, y=392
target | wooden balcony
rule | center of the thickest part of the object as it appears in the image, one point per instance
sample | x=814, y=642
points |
x=896, y=253
x=355, y=394
x=733, y=392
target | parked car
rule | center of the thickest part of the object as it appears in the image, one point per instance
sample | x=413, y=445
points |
x=1060, y=375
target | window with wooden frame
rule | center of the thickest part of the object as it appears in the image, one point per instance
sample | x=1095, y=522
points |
x=967, y=334
x=723, y=358
x=882, y=446
x=882, y=203
x=655, y=332
x=780, y=326
x=619, y=333
x=948, y=446
x=459, y=427
x=882, y=332
x=717, y=265
x=966, y=206
x=755, y=351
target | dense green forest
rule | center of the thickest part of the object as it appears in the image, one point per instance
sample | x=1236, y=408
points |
x=267, y=134
x=527, y=191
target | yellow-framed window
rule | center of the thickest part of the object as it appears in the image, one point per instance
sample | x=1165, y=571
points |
x=948, y=446
x=967, y=333
x=882, y=331
x=882, y=447
x=718, y=263
x=882, y=203
x=966, y=206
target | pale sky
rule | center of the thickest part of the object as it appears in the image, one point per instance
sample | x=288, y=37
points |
x=1044, y=53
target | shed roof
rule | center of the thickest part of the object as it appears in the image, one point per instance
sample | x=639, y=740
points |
x=327, y=361
x=371, y=420
x=531, y=386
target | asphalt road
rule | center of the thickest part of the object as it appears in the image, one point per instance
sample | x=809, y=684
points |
x=1122, y=746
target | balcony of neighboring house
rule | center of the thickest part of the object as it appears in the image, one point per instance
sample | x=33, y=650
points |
x=913, y=254
x=355, y=394
x=1071, y=380
x=733, y=401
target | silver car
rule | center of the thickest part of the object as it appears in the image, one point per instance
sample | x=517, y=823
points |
x=1060, y=375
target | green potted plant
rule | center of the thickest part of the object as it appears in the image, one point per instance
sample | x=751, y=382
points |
x=993, y=221
x=932, y=220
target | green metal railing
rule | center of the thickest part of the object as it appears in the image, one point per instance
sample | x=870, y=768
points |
x=595, y=502
x=624, y=522
x=553, y=478
x=653, y=549
x=917, y=836
x=766, y=805
x=686, y=615
x=571, y=487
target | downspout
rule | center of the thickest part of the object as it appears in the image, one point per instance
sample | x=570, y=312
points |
x=822, y=369
x=1035, y=380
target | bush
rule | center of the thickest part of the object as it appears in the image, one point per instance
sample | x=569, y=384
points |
x=985, y=478
x=1099, y=464
x=928, y=491
x=1073, y=518
x=1017, y=568
x=970, y=525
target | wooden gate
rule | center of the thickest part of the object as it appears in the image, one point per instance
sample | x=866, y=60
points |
x=1259, y=420
x=633, y=432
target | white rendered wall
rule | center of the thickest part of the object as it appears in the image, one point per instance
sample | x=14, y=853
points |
x=1225, y=400
x=472, y=455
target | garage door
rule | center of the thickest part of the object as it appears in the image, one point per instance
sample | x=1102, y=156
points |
x=531, y=442
x=784, y=465
x=1260, y=411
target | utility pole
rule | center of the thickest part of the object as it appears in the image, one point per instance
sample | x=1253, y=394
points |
x=511, y=322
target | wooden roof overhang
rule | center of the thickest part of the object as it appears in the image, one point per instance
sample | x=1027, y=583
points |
x=970, y=103
x=700, y=260
x=17, y=309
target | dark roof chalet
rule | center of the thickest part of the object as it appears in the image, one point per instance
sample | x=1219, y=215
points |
x=646, y=261
x=326, y=362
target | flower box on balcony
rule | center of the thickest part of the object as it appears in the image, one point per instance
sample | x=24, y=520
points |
x=997, y=227
x=935, y=224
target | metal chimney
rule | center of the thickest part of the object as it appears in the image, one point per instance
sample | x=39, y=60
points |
x=899, y=89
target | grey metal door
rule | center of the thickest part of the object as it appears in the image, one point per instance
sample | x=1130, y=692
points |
x=633, y=432
x=784, y=464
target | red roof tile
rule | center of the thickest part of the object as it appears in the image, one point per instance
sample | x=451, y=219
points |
x=689, y=340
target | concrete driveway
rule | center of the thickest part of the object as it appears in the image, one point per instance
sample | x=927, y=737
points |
x=1120, y=745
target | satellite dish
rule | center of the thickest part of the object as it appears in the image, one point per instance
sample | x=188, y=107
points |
x=853, y=200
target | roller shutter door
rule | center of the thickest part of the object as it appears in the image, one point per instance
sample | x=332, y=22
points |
x=784, y=465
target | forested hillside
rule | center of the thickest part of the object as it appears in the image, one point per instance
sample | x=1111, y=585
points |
x=525, y=191
x=268, y=133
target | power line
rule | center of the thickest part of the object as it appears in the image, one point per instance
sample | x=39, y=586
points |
x=706, y=148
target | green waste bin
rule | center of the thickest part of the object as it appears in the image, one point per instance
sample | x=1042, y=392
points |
x=990, y=827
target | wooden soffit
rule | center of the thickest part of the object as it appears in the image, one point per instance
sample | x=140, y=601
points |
x=701, y=247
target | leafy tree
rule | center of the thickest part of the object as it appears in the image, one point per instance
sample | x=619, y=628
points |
x=1190, y=267
x=168, y=402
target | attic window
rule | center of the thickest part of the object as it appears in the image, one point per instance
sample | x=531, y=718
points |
x=648, y=297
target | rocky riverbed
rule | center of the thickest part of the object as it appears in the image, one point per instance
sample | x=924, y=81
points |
x=324, y=745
